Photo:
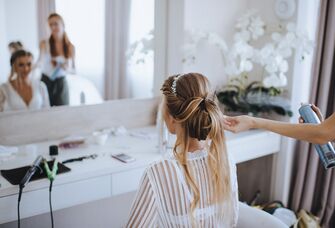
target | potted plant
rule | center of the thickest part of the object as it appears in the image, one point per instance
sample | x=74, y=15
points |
x=254, y=98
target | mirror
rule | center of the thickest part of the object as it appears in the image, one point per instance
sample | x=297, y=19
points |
x=97, y=50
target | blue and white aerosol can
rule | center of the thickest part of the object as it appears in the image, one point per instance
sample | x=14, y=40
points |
x=326, y=151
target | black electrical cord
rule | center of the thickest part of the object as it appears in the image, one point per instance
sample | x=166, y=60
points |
x=18, y=214
x=18, y=207
x=50, y=204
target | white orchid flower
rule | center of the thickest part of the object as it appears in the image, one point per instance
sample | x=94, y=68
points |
x=256, y=27
x=275, y=81
x=245, y=66
x=277, y=37
x=283, y=66
x=266, y=52
x=270, y=81
x=282, y=80
x=244, y=21
x=271, y=66
x=243, y=35
x=243, y=49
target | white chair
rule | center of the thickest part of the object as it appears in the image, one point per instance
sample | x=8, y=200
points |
x=82, y=91
x=250, y=217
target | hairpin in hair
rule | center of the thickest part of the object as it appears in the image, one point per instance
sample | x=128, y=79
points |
x=174, y=84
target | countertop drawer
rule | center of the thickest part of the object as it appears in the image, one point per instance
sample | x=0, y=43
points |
x=65, y=195
x=126, y=181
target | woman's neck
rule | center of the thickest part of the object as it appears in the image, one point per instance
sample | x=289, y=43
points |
x=22, y=81
x=58, y=38
x=195, y=144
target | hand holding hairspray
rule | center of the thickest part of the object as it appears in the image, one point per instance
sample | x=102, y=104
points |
x=326, y=151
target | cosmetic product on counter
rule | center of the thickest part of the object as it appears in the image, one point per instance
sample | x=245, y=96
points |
x=100, y=137
x=53, y=150
x=69, y=144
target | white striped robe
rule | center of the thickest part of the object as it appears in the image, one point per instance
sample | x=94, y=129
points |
x=164, y=197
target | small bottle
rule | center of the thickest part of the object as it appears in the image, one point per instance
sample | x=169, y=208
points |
x=326, y=151
x=53, y=150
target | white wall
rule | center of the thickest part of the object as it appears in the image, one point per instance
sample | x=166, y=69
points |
x=18, y=21
x=21, y=23
x=4, y=56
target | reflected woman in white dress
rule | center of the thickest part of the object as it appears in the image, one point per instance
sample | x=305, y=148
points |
x=21, y=92
x=197, y=186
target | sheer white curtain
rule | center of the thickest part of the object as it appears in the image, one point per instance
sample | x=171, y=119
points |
x=117, y=81
x=85, y=27
x=44, y=8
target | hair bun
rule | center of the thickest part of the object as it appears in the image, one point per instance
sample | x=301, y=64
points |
x=202, y=104
x=193, y=107
x=205, y=104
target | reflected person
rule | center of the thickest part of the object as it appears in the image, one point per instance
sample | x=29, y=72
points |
x=22, y=92
x=56, y=60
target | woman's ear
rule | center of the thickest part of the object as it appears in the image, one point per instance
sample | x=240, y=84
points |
x=171, y=123
x=13, y=69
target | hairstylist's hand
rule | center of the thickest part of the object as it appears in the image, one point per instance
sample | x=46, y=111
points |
x=317, y=111
x=238, y=123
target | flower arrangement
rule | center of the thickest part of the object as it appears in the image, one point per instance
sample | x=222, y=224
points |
x=140, y=50
x=243, y=56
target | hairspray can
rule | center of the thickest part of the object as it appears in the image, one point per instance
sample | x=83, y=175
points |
x=326, y=151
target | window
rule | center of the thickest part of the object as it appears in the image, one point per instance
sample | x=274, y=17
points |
x=85, y=26
x=141, y=24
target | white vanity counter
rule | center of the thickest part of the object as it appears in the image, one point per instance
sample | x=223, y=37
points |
x=104, y=177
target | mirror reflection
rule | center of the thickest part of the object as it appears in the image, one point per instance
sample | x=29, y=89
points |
x=54, y=54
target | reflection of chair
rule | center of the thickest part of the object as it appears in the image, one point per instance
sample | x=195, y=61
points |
x=82, y=91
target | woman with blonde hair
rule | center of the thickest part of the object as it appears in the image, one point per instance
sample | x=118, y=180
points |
x=57, y=55
x=197, y=186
